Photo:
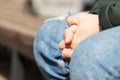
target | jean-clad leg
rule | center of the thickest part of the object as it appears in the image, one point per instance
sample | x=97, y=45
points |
x=97, y=57
x=47, y=53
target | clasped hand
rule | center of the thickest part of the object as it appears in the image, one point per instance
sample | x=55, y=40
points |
x=81, y=26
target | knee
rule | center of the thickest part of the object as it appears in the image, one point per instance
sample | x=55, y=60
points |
x=47, y=54
x=100, y=44
x=50, y=34
x=47, y=38
x=97, y=54
x=100, y=47
x=51, y=29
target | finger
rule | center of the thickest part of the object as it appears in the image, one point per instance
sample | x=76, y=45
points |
x=73, y=28
x=61, y=45
x=73, y=20
x=68, y=36
x=69, y=33
x=67, y=53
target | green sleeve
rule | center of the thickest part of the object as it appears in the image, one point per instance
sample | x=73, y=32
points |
x=109, y=13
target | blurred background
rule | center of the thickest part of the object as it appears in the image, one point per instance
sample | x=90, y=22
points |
x=19, y=23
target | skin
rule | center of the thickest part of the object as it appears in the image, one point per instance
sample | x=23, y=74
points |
x=81, y=26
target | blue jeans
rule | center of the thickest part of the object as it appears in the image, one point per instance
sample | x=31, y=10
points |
x=95, y=58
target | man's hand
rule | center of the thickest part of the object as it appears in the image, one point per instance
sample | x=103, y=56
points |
x=81, y=26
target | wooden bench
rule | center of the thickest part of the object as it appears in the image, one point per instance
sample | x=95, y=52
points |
x=17, y=31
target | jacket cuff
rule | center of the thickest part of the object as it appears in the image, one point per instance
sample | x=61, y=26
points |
x=104, y=20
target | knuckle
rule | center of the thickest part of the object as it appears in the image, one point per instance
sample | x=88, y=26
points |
x=69, y=20
x=73, y=20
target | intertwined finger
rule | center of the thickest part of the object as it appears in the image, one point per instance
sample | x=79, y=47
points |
x=69, y=34
x=73, y=20
x=61, y=45
x=67, y=53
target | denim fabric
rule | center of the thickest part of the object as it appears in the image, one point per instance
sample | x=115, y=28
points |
x=47, y=53
x=95, y=58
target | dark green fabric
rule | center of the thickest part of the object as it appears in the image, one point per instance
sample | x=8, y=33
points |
x=109, y=13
